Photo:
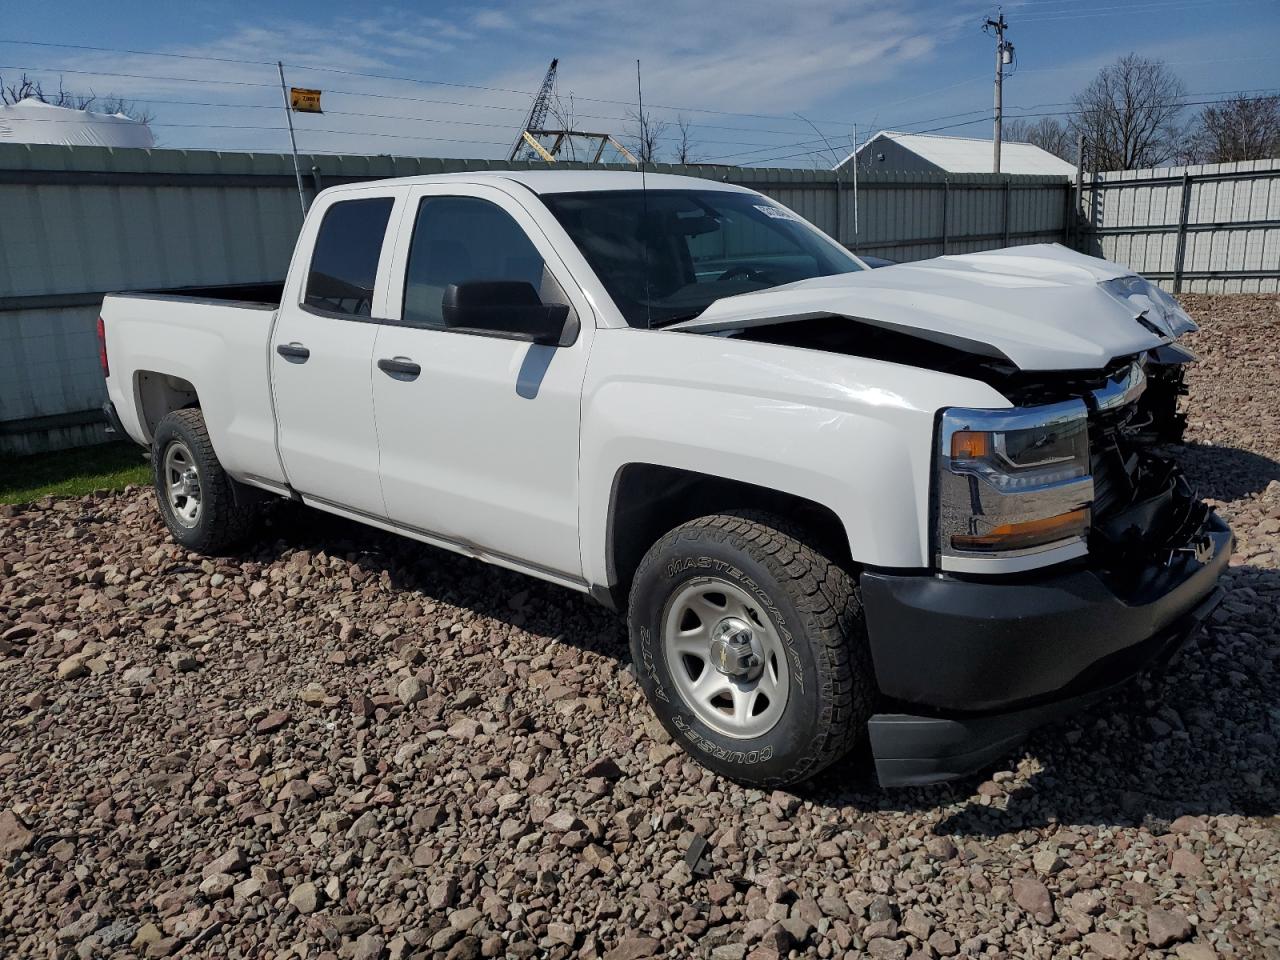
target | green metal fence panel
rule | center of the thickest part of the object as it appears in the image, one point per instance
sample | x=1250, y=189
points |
x=78, y=222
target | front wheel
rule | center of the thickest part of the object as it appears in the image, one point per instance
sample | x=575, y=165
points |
x=197, y=498
x=751, y=648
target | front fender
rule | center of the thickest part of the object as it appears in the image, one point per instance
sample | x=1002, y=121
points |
x=852, y=434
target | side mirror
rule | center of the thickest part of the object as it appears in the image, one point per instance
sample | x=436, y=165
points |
x=508, y=309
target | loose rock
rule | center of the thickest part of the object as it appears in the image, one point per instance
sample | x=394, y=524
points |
x=291, y=794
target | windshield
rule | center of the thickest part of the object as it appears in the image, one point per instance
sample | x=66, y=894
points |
x=665, y=256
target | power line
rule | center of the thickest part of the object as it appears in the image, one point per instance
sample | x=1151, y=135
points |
x=356, y=73
x=452, y=103
x=766, y=149
x=1082, y=13
x=140, y=76
x=141, y=53
x=1030, y=10
x=762, y=147
x=809, y=153
x=350, y=113
x=463, y=104
x=1176, y=103
x=358, y=114
x=963, y=123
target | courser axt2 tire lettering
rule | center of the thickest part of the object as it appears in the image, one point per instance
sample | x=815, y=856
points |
x=766, y=602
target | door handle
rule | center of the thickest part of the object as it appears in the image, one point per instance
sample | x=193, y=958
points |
x=293, y=352
x=402, y=368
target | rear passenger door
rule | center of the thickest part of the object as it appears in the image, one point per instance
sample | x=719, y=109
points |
x=322, y=353
x=478, y=433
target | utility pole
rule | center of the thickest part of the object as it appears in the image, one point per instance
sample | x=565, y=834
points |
x=1004, y=55
x=1076, y=210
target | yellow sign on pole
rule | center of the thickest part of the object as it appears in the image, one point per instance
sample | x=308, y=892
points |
x=304, y=101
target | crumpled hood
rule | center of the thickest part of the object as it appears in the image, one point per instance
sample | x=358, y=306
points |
x=1041, y=306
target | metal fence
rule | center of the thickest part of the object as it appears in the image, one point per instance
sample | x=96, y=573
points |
x=79, y=222
x=1210, y=228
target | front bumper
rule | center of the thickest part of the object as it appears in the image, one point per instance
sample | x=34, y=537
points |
x=972, y=666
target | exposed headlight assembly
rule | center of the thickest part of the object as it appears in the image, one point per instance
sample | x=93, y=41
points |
x=1149, y=301
x=1012, y=483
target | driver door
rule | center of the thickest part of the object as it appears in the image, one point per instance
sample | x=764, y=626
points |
x=478, y=433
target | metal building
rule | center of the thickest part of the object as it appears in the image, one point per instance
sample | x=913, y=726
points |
x=891, y=151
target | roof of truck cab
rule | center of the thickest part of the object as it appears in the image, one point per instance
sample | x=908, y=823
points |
x=577, y=181
x=571, y=181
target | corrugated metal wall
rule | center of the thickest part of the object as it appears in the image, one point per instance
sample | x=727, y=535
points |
x=78, y=222
x=1208, y=228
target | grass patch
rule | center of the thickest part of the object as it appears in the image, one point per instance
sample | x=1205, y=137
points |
x=63, y=473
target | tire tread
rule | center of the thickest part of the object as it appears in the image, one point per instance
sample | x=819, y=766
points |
x=820, y=588
x=229, y=522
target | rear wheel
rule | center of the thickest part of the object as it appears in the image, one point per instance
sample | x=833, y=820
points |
x=751, y=648
x=197, y=498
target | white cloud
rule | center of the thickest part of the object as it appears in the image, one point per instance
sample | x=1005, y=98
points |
x=818, y=57
x=755, y=56
x=492, y=20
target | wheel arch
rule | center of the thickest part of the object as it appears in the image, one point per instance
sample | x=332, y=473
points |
x=157, y=394
x=646, y=500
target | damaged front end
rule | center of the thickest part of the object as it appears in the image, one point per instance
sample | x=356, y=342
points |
x=1141, y=508
x=1166, y=368
x=972, y=656
x=1144, y=511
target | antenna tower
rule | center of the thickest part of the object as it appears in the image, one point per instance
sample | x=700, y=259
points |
x=521, y=150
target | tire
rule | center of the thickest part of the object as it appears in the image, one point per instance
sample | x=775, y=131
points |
x=801, y=611
x=205, y=516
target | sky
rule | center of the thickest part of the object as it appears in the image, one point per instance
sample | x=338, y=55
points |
x=758, y=82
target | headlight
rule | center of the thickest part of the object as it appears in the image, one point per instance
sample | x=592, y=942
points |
x=1012, y=482
x=1147, y=299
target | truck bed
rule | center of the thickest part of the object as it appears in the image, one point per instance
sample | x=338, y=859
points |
x=263, y=296
x=169, y=348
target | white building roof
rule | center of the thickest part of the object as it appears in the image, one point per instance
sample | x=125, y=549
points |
x=971, y=155
x=33, y=121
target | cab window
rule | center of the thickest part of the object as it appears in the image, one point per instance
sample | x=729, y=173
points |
x=344, y=263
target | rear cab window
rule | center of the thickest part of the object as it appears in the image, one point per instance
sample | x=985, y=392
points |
x=344, y=261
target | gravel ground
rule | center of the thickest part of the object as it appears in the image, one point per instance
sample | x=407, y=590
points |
x=341, y=744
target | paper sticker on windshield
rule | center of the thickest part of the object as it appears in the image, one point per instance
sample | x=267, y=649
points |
x=777, y=213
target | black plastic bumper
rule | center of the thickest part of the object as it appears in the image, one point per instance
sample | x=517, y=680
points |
x=976, y=665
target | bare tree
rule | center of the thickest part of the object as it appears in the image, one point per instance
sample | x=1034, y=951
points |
x=16, y=92
x=647, y=136
x=1242, y=128
x=685, y=146
x=1046, y=133
x=26, y=88
x=1129, y=114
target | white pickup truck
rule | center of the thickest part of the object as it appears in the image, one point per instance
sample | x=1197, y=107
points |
x=917, y=504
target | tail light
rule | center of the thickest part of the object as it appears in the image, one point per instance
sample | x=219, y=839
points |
x=102, y=348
